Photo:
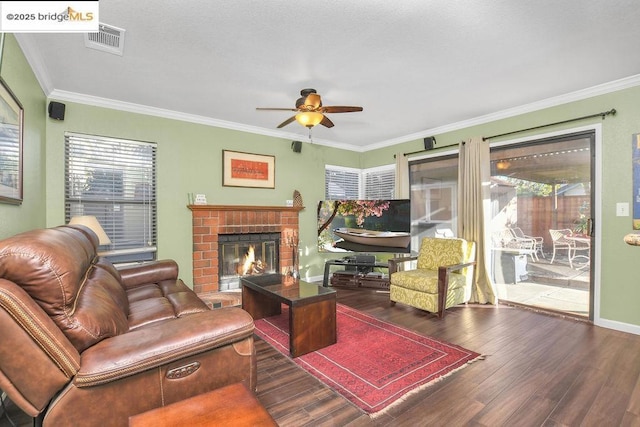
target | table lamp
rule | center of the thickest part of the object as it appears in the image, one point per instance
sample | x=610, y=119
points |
x=91, y=222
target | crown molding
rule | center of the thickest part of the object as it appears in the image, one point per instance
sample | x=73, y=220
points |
x=602, y=89
x=61, y=95
x=598, y=90
x=95, y=101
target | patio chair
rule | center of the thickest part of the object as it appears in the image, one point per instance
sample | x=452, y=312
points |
x=581, y=251
x=538, y=242
x=561, y=243
x=506, y=240
x=443, y=277
x=444, y=232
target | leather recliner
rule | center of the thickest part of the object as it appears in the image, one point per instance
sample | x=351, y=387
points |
x=84, y=343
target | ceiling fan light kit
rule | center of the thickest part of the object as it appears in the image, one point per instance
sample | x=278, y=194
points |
x=309, y=118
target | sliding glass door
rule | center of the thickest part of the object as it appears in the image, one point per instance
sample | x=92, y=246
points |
x=541, y=223
x=434, y=193
x=541, y=217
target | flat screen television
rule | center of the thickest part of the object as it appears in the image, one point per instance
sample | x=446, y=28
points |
x=364, y=226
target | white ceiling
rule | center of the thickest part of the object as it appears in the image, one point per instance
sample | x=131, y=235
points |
x=417, y=67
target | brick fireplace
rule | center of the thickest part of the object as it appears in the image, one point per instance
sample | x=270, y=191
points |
x=211, y=221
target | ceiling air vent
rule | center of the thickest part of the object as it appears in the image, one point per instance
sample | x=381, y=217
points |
x=108, y=39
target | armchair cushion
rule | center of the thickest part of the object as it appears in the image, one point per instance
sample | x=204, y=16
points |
x=436, y=252
x=95, y=313
x=424, y=280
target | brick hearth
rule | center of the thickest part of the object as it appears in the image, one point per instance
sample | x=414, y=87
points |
x=209, y=221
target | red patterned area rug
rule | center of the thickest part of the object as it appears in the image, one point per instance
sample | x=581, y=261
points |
x=374, y=364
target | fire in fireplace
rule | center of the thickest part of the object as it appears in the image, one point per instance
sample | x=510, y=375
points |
x=246, y=254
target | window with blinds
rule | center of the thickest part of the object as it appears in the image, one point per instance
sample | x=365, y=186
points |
x=349, y=184
x=341, y=183
x=379, y=183
x=115, y=181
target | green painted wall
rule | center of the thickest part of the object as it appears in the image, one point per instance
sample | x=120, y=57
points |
x=190, y=160
x=619, y=267
x=17, y=74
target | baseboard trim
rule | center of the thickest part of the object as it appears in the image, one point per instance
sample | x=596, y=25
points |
x=618, y=326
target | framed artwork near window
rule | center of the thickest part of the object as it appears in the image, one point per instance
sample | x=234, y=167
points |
x=248, y=170
x=11, y=129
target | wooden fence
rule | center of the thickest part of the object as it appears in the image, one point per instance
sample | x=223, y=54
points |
x=536, y=215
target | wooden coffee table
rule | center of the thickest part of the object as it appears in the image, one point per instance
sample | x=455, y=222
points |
x=312, y=309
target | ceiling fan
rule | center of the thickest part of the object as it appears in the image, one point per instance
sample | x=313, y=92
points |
x=310, y=111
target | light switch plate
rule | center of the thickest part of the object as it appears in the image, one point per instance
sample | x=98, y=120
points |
x=622, y=209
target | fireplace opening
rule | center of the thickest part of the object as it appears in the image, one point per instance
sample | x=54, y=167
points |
x=246, y=254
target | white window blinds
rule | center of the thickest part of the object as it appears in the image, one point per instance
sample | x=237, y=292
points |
x=115, y=181
x=341, y=183
x=349, y=184
x=379, y=183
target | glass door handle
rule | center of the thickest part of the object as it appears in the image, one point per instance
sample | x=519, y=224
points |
x=590, y=225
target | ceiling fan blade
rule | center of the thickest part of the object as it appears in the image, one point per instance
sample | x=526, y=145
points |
x=276, y=109
x=286, y=122
x=341, y=109
x=326, y=122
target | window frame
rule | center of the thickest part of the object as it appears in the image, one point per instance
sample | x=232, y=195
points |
x=125, y=196
x=362, y=178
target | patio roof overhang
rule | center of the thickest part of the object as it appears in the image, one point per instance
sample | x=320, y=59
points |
x=564, y=165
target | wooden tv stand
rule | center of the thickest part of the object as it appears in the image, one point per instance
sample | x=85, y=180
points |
x=358, y=280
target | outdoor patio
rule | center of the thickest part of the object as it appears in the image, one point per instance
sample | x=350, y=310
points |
x=556, y=287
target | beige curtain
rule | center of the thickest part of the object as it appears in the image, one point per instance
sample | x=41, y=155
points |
x=473, y=196
x=402, y=176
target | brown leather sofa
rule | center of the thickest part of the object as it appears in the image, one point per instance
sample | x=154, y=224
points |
x=83, y=343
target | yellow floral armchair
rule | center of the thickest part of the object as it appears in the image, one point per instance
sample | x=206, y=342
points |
x=442, y=279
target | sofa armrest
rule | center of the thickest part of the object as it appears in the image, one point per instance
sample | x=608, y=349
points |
x=152, y=272
x=30, y=342
x=161, y=343
x=394, y=262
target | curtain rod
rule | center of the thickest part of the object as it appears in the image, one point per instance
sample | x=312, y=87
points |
x=603, y=115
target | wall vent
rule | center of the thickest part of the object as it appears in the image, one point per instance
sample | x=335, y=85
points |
x=107, y=39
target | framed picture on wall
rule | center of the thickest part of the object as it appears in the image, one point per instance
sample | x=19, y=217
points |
x=248, y=170
x=635, y=159
x=11, y=128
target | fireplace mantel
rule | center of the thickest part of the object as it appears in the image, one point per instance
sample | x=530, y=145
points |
x=210, y=221
x=243, y=208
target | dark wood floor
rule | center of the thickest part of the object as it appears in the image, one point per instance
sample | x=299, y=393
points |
x=539, y=370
